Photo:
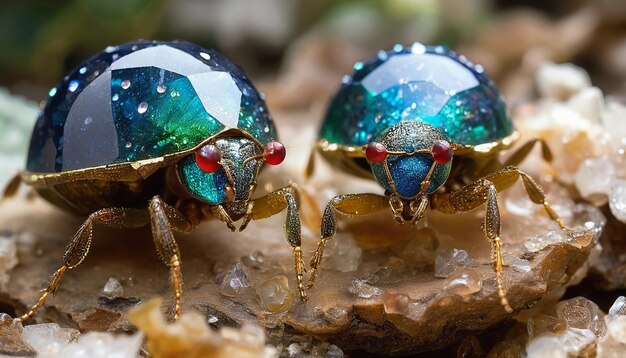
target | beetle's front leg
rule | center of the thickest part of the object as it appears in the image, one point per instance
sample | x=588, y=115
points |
x=351, y=204
x=274, y=203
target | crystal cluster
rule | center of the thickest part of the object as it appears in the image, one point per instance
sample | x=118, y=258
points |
x=192, y=337
x=585, y=131
x=579, y=325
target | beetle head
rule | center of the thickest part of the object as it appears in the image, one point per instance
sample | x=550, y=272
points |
x=226, y=168
x=410, y=159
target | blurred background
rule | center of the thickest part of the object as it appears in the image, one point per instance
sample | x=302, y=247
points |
x=300, y=45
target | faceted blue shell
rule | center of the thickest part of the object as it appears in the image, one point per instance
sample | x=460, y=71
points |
x=418, y=83
x=144, y=100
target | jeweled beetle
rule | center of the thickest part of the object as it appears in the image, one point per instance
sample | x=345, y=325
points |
x=400, y=118
x=167, y=126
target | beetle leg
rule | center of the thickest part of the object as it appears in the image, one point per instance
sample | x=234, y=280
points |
x=522, y=152
x=12, y=187
x=78, y=248
x=351, y=204
x=484, y=191
x=163, y=219
x=274, y=203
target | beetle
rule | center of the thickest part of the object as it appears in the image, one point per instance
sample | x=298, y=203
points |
x=401, y=118
x=161, y=133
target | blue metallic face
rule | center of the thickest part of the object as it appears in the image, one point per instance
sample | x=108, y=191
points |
x=211, y=187
x=409, y=171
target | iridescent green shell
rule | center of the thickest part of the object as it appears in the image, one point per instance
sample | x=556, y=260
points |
x=419, y=83
x=144, y=100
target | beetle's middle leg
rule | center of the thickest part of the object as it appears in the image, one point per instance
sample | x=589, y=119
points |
x=351, y=204
x=78, y=248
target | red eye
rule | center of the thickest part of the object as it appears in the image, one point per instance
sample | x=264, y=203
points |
x=442, y=152
x=274, y=153
x=208, y=158
x=376, y=152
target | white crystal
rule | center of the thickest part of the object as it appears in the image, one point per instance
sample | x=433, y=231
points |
x=8, y=251
x=235, y=281
x=48, y=339
x=575, y=339
x=561, y=80
x=450, y=261
x=589, y=103
x=464, y=282
x=618, y=308
x=617, y=199
x=363, y=289
x=545, y=346
x=516, y=263
x=342, y=253
x=101, y=345
x=617, y=329
x=113, y=288
x=593, y=179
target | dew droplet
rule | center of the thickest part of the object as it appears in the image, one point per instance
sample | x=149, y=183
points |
x=382, y=55
x=418, y=48
x=161, y=89
x=52, y=91
x=128, y=144
x=358, y=66
x=205, y=55
x=266, y=129
x=142, y=108
x=174, y=93
x=212, y=319
x=397, y=48
x=115, y=97
x=88, y=120
x=73, y=86
x=82, y=70
x=109, y=49
x=134, y=48
x=125, y=84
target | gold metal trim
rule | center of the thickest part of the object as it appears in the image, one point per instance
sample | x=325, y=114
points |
x=129, y=171
x=342, y=151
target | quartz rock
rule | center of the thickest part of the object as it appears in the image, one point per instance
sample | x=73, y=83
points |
x=101, y=345
x=235, y=281
x=545, y=324
x=575, y=339
x=48, y=339
x=589, y=103
x=396, y=302
x=191, y=336
x=274, y=294
x=451, y=260
x=515, y=262
x=579, y=312
x=546, y=346
x=11, y=341
x=254, y=260
x=618, y=308
x=561, y=81
x=464, y=282
x=342, y=253
x=363, y=289
x=113, y=289
x=617, y=199
x=593, y=179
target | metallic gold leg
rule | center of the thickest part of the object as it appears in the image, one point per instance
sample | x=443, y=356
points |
x=53, y=284
x=485, y=191
x=162, y=216
x=274, y=203
x=351, y=204
x=78, y=248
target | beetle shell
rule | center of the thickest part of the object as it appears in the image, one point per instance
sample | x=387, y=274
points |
x=144, y=100
x=419, y=83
